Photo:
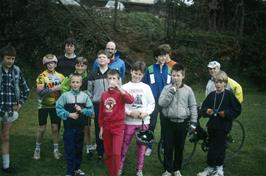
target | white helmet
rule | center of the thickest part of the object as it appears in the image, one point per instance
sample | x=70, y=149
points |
x=49, y=58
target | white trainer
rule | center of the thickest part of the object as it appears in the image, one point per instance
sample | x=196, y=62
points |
x=79, y=173
x=219, y=171
x=166, y=173
x=207, y=171
x=57, y=154
x=139, y=173
x=177, y=173
x=37, y=154
x=148, y=152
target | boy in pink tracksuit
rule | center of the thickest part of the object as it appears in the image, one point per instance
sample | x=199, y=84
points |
x=140, y=110
x=112, y=121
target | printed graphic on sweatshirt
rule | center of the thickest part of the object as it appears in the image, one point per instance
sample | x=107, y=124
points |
x=109, y=104
x=138, y=102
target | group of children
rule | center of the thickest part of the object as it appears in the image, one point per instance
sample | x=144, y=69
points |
x=121, y=110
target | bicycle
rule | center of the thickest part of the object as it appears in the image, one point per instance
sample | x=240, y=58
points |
x=235, y=142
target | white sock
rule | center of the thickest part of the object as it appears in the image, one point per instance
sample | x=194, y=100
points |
x=6, y=161
x=56, y=146
x=38, y=146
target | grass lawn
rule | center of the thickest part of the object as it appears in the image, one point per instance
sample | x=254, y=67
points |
x=250, y=161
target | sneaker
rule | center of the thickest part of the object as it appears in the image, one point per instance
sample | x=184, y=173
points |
x=177, y=173
x=79, y=173
x=89, y=155
x=166, y=173
x=9, y=170
x=100, y=158
x=119, y=172
x=139, y=173
x=148, y=152
x=219, y=171
x=92, y=147
x=57, y=154
x=37, y=154
x=207, y=171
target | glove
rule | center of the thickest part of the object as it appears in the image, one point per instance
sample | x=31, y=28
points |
x=192, y=128
x=209, y=112
x=172, y=90
x=221, y=114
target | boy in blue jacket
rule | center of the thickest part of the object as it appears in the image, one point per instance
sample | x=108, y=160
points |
x=74, y=107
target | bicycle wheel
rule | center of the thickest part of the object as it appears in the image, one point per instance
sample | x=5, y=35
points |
x=235, y=140
x=189, y=150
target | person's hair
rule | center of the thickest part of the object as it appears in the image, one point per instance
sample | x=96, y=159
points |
x=70, y=41
x=102, y=52
x=179, y=67
x=75, y=75
x=82, y=60
x=8, y=51
x=221, y=76
x=166, y=48
x=113, y=72
x=159, y=52
x=139, y=65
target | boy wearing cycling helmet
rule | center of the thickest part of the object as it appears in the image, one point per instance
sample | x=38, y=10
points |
x=222, y=107
x=48, y=88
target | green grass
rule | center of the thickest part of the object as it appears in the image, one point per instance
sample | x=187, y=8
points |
x=250, y=161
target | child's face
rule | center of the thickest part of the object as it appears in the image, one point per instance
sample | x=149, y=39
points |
x=177, y=77
x=103, y=60
x=69, y=48
x=80, y=68
x=8, y=61
x=136, y=76
x=113, y=80
x=76, y=82
x=161, y=59
x=219, y=85
x=214, y=71
x=51, y=66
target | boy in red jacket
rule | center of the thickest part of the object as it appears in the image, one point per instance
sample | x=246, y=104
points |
x=112, y=121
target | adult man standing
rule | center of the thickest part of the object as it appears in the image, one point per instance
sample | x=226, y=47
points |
x=115, y=61
x=66, y=63
x=214, y=68
x=13, y=93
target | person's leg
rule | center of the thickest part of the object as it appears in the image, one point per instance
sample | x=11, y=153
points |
x=180, y=136
x=108, y=149
x=69, y=146
x=212, y=152
x=128, y=134
x=117, y=147
x=99, y=142
x=5, y=134
x=55, y=121
x=79, y=141
x=169, y=142
x=140, y=151
x=42, y=120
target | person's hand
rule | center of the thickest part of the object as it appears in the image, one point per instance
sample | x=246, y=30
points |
x=101, y=133
x=209, y=112
x=17, y=107
x=192, y=128
x=74, y=115
x=56, y=88
x=78, y=108
x=172, y=90
x=142, y=115
x=134, y=114
x=221, y=114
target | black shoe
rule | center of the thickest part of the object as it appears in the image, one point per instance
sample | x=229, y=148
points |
x=89, y=155
x=9, y=170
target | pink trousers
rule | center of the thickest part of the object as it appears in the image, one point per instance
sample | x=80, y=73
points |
x=130, y=131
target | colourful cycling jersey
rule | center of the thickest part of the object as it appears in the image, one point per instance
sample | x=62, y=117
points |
x=44, y=82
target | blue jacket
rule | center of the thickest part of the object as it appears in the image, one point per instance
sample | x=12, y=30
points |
x=157, y=78
x=117, y=64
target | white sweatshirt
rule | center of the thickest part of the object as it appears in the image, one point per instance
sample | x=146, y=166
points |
x=144, y=102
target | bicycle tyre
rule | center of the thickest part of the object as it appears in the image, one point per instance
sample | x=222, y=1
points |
x=187, y=156
x=236, y=139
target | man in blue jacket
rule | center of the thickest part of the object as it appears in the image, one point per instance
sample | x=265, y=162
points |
x=115, y=61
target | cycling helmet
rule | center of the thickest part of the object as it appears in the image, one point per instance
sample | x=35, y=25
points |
x=145, y=136
x=49, y=58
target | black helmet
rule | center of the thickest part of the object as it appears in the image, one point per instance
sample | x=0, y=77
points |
x=145, y=136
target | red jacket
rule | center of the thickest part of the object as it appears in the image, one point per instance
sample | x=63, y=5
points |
x=112, y=108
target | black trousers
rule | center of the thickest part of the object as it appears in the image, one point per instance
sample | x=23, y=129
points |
x=99, y=142
x=174, y=140
x=217, y=146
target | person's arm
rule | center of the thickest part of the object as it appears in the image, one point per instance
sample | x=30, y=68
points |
x=90, y=86
x=123, y=71
x=95, y=65
x=146, y=77
x=150, y=103
x=60, y=110
x=167, y=96
x=237, y=89
x=206, y=107
x=88, y=109
x=192, y=104
x=65, y=85
x=24, y=89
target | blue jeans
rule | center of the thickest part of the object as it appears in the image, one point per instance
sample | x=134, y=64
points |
x=73, y=144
